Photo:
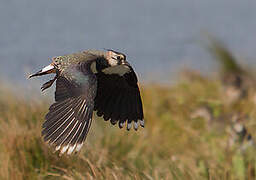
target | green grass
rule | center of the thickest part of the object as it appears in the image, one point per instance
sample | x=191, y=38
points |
x=171, y=146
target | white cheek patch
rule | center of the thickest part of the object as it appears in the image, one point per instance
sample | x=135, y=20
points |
x=120, y=70
x=112, y=62
x=110, y=59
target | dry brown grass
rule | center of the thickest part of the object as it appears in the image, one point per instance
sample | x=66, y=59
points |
x=188, y=134
x=171, y=146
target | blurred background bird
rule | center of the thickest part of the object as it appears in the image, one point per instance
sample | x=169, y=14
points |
x=85, y=81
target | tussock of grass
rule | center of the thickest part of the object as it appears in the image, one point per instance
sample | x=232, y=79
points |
x=171, y=146
x=225, y=58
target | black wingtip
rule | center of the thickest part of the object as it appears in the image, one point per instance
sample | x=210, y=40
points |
x=121, y=124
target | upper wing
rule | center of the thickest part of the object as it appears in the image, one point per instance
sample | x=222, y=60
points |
x=118, y=99
x=69, y=118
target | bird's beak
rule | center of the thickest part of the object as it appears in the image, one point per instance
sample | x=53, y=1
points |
x=46, y=70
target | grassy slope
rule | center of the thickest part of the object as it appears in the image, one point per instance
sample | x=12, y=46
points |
x=171, y=146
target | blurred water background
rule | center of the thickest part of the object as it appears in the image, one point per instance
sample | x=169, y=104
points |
x=159, y=37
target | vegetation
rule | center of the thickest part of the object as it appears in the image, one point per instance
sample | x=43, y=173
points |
x=190, y=133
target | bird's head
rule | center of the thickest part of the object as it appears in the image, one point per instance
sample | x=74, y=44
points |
x=115, y=63
x=115, y=58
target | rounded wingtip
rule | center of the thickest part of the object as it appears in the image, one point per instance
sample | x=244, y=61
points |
x=142, y=122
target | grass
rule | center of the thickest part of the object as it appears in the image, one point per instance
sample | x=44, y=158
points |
x=176, y=143
x=171, y=146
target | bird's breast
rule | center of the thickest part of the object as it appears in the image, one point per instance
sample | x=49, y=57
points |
x=120, y=70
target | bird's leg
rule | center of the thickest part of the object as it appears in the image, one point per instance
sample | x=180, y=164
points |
x=48, y=83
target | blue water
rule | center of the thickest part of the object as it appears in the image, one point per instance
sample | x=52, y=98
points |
x=159, y=37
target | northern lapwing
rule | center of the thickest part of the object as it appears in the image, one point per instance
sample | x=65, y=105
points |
x=85, y=81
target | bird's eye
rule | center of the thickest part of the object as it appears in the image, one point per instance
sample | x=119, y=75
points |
x=119, y=57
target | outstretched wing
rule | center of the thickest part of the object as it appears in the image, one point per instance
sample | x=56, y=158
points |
x=69, y=118
x=118, y=99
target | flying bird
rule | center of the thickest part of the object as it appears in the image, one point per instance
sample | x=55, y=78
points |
x=86, y=81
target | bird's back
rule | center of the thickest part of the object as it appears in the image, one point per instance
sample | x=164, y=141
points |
x=79, y=57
